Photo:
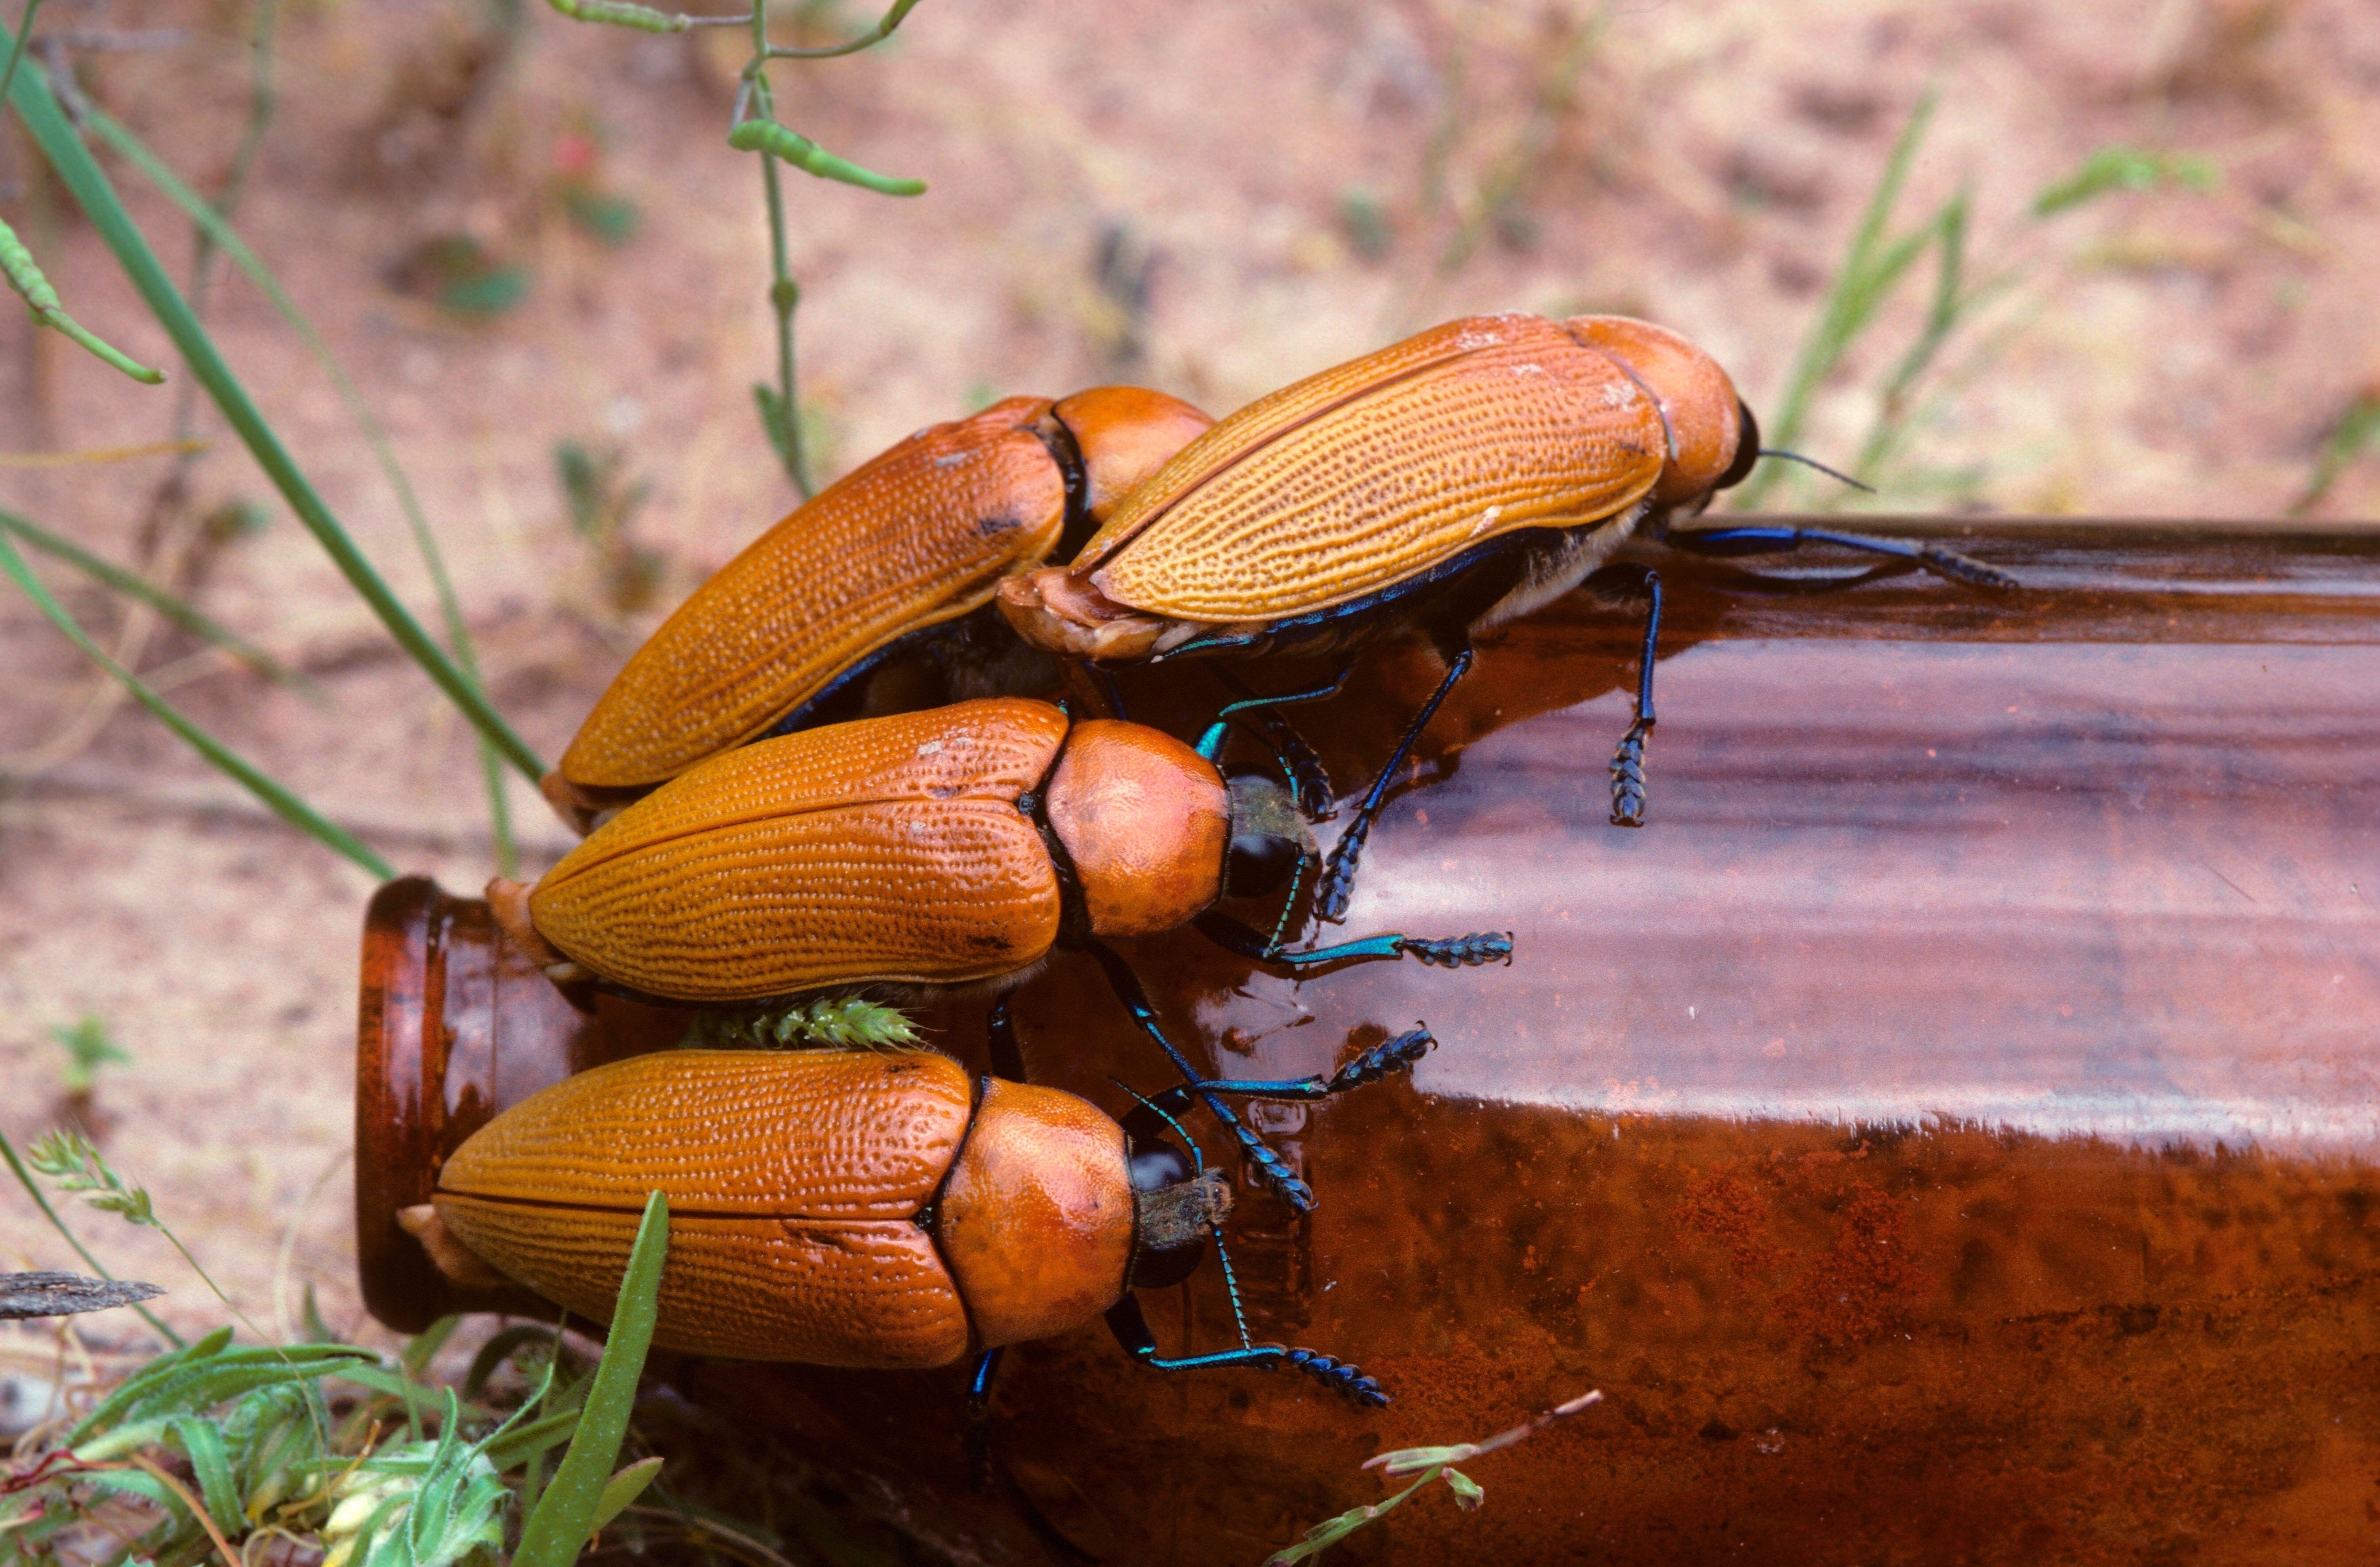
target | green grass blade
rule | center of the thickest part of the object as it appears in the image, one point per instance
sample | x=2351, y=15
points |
x=282, y=802
x=183, y=614
x=202, y=1444
x=25, y=1179
x=218, y=230
x=17, y=49
x=82, y=174
x=1858, y=286
x=558, y=1530
x=622, y=1488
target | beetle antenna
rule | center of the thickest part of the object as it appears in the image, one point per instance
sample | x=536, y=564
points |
x=1197, y=1154
x=1296, y=884
x=1232, y=1284
x=1813, y=462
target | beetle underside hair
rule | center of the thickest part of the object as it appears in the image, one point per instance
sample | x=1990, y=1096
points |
x=1177, y=1215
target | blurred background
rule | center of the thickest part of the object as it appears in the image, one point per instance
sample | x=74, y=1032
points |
x=2110, y=258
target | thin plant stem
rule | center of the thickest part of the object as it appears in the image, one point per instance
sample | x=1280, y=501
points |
x=25, y=1179
x=283, y=803
x=869, y=40
x=784, y=294
x=212, y=222
x=181, y=613
x=17, y=48
x=92, y=189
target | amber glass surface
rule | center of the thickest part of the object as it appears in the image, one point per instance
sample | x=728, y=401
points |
x=1950, y=1131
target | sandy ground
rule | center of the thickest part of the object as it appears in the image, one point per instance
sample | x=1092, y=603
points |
x=1212, y=199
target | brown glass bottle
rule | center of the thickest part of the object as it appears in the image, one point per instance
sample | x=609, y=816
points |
x=1948, y=1132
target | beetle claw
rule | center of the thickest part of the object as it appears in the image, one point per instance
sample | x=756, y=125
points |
x=1459, y=952
x=1628, y=777
x=1348, y=1382
x=1962, y=568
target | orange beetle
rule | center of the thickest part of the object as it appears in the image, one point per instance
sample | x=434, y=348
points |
x=927, y=853
x=851, y=1209
x=1446, y=483
x=895, y=559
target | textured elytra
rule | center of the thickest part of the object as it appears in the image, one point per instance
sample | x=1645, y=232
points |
x=847, y=1293
x=919, y=535
x=813, y=1134
x=885, y=850
x=793, y=1183
x=1366, y=474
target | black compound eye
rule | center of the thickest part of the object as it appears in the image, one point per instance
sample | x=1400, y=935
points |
x=1747, y=449
x=1258, y=863
x=1156, y=1165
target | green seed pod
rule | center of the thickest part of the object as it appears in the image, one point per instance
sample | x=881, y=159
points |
x=777, y=142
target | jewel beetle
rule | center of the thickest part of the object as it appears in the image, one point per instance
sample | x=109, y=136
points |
x=930, y=854
x=857, y=1209
x=898, y=558
x=1444, y=484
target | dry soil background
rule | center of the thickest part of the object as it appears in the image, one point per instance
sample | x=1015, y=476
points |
x=1213, y=198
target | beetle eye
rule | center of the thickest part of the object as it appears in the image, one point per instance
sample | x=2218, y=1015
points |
x=1257, y=863
x=1157, y=1164
x=1747, y=449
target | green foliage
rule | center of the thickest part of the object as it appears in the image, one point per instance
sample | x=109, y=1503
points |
x=612, y=219
x=16, y=265
x=89, y=1047
x=2357, y=432
x=570, y=1511
x=788, y=146
x=67, y=1158
x=1880, y=261
x=277, y=798
x=91, y=191
x=2124, y=168
x=254, y=1429
x=844, y=1024
x=753, y=126
x=1426, y=1463
x=217, y=232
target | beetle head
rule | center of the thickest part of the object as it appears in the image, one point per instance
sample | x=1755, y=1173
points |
x=1708, y=433
x=1122, y=434
x=1177, y=1205
x=1268, y=838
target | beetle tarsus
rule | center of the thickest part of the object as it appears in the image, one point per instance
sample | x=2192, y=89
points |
x=1963, y=568
x=1628, y=776
x=1459, y=951
x=1348, y=1382
x=1337, y=887
x=1382, y=1060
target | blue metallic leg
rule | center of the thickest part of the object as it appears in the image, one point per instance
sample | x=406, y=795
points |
x=1268, y=1165
x=1755, y=541
x=1130, y=1330
x=1309, y=784
x=1455, y=952
x=979, y=1429
x=1628, y=761
x=1150, y=1118
x=1338, y=873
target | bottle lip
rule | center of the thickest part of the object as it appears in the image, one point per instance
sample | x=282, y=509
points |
x=424, y=951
